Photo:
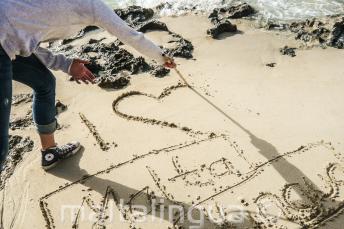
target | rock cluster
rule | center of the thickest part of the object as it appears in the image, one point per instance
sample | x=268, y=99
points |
x=116, y=61
x=337, y=35
x=288, y=51
x=108, y=60
x=238, y=10
x=220, y=28
x=113, y=82
x=135, y=15
x=220, y=18
x=80, y=34
x=142, y=20
x=328, y=31
x=20, y=123
x=22, y=98
x=18, y=147
x=310, y=31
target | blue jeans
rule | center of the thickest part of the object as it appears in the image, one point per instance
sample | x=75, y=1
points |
x=31, y=72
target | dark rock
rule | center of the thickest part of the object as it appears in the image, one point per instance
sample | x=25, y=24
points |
x=276, y=26
x=21, y=98
x=271, y=65
x=236, y=11
x=113, y=82
x=22, y=122
x=126, y=61
x=117, y=59
x=153, y=25
x=220, y=28
x=310, y=31
x=159, y=71
x=18, y=146
x=134, y=15
x=183, y=48
x=81, y=34
x=60, y=107
x=109, y=60
x=118, y=42
x=88, y=29
x=220, y=18
x=337, y=35
x=164, y=5
x=94, y=41
x=94, y=67
x=288, y=51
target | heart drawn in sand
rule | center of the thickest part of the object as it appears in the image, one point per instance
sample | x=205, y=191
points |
x=165, y=93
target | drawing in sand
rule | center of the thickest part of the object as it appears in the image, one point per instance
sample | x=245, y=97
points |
x=217, y=118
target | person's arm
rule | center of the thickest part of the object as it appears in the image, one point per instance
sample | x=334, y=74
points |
x=106, y=18
x=53, y=61
x=74, y=67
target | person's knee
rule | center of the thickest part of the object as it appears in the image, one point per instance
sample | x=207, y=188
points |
x=47, y=87
x=5, y=103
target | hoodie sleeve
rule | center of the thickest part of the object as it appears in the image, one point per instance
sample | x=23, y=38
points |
x=53, y=61
x=106, y=18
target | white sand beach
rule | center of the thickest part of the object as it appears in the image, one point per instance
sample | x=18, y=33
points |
x=273, y=161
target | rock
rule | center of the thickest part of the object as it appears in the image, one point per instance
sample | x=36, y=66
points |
x=220, y=18
x=276, y=26
x=113, y=82
x=235, y=11
x=337, y=35
x=22, y=122
x=159, y=71
x=288, y=51
x=118, y=42
x=94, y=41
x=271, y=65
x=220, y=28
x=116, y=59
x=164, y=5
x=183, y=48
x=21, y=98
x=60, y=107
x=81, y=34
x=327, y=31
x=18, y=146
x=310, y=31
x=107, y=60
x=94, y=67
x=88, y=29
x=134, y=15
x=153, y=25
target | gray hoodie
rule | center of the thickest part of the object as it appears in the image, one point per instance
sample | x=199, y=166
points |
x=26, y=23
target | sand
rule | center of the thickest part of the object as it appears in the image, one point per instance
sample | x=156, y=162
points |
x=274, y=160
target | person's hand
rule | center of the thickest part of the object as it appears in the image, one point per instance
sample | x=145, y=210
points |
x=169, y=62
x=80, y=72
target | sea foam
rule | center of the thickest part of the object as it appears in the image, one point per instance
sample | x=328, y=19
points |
x=268, y=9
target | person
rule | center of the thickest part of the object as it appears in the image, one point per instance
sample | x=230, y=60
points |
x=24, y=24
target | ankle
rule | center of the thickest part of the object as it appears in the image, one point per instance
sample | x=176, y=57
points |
x=45, y=148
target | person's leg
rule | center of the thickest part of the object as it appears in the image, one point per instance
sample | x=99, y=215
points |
x=5, y=103
x=31, y=72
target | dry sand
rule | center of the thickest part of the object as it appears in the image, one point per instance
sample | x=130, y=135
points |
x=277, y=156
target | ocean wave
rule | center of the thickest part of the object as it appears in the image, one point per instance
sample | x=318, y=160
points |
x=268, y=9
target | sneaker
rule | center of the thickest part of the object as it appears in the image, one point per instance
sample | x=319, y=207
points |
x=52, y=156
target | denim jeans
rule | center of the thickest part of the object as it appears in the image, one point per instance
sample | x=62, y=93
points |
x=31, y=72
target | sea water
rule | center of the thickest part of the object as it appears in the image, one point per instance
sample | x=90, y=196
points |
x=268, y=9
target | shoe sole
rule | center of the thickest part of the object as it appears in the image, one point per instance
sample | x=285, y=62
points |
x=75, y=151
